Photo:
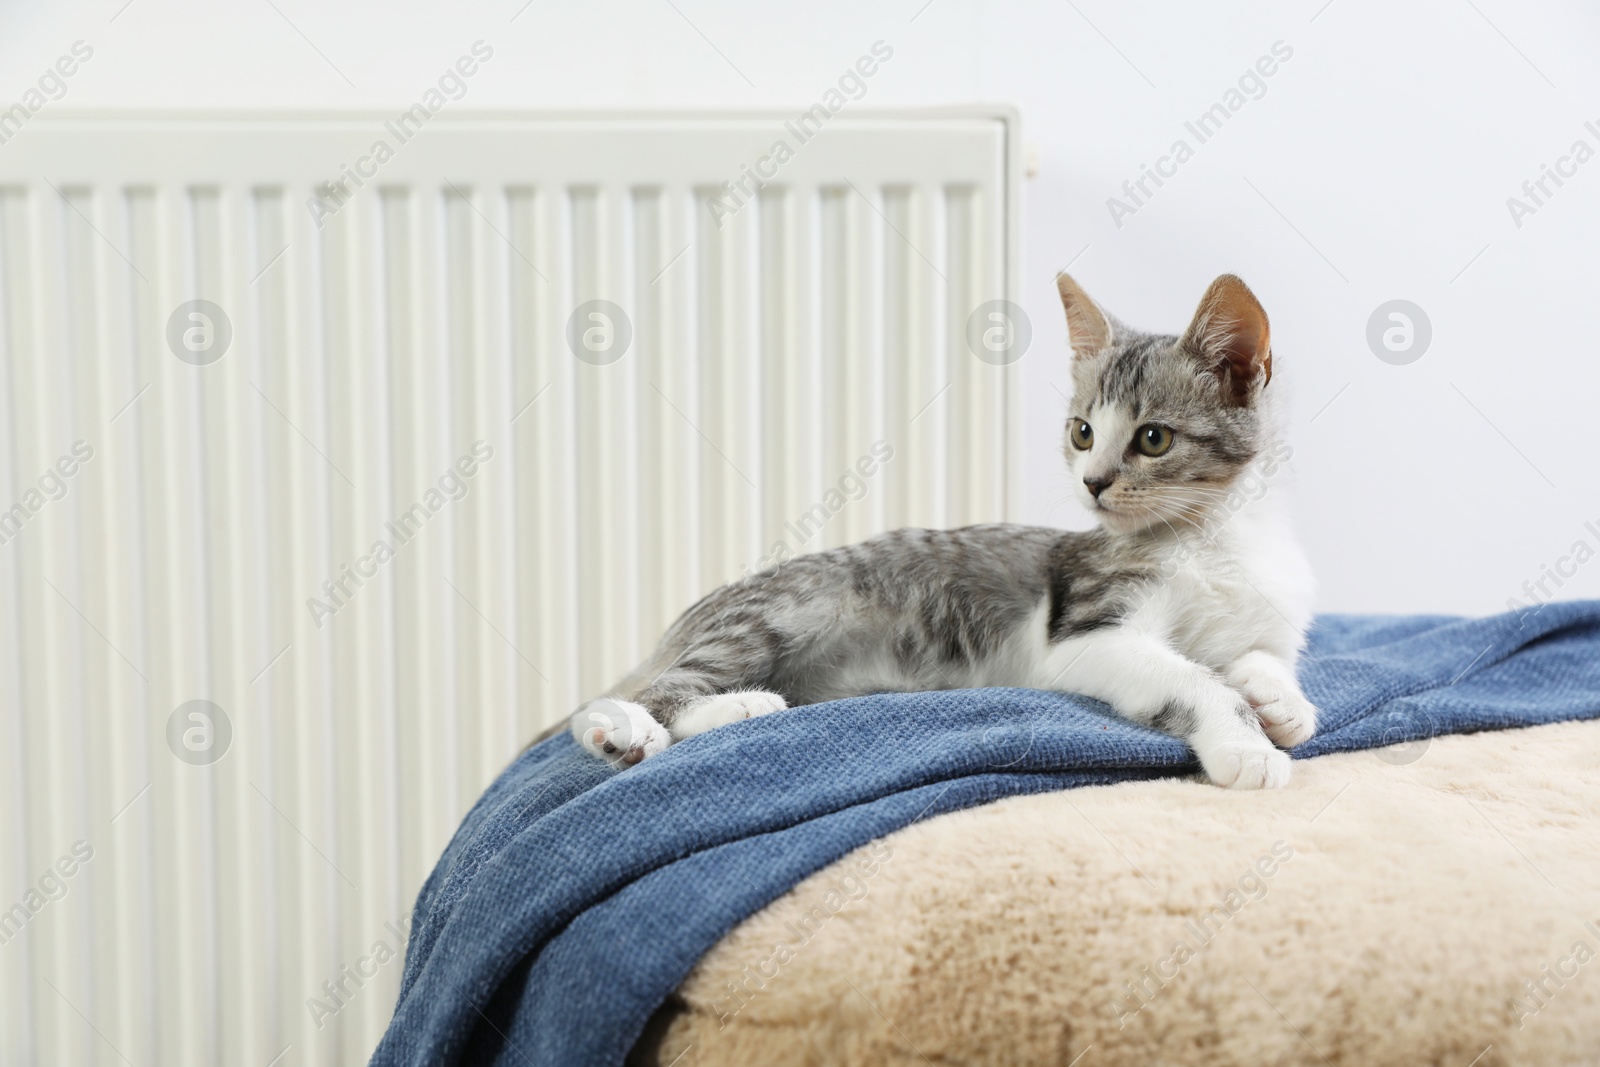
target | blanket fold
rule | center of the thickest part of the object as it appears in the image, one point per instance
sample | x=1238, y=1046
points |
x=574, y=898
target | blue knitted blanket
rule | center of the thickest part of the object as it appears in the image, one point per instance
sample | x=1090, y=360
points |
x=575, y=898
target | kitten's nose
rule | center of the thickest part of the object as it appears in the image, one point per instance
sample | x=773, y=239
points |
x=1098, y=485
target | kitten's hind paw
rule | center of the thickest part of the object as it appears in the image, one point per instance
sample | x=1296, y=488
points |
x=1246, y=765
x=720, y=710
x=619, y=731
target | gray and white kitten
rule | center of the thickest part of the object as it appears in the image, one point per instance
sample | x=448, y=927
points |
x=1185, y=610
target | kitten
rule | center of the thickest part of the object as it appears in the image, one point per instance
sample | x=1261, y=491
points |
x=1185, y=609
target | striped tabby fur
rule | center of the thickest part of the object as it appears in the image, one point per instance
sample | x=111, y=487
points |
x=1184, y=610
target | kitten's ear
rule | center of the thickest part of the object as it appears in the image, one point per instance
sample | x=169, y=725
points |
x=1230, y=334
x=1089, y=329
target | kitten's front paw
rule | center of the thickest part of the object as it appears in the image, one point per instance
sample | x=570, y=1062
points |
x=1245, y=765
x=1285, y=714
x=1290, y=720
x=619, y=731
x=724, y=708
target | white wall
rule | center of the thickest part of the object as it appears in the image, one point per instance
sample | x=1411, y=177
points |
x=1376, y=166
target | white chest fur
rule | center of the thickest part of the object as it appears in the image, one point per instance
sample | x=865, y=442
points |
x=1240, y=584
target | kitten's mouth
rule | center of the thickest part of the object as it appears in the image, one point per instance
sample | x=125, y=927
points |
x=1117, y=518
x=1120, y=508
x=1129, y=517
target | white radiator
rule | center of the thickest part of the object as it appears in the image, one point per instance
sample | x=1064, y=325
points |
x=191, y=520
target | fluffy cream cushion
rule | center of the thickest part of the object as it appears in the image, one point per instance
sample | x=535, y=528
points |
x=1375, y=912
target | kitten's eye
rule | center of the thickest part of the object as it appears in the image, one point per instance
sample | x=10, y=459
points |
x=1152, y=440
x=1082, y=435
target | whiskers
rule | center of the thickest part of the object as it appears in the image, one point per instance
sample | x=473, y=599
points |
x=1188, y=505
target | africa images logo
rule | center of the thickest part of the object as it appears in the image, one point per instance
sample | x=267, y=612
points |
x=332, y=195
x=1251, y=85
x=851, y=85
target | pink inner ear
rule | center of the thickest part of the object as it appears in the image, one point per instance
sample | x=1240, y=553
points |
x=1243, y=343
x=1246, y=353
x=1087, y=327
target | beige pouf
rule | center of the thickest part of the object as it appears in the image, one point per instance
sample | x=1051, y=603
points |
x=1392, y=907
